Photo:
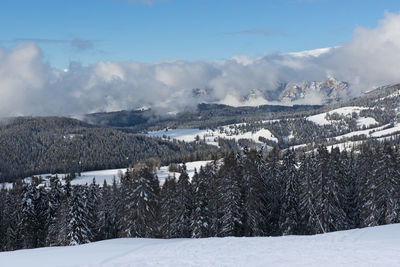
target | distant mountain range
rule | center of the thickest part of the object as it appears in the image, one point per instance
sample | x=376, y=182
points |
x=329, y=90
x=323, y=92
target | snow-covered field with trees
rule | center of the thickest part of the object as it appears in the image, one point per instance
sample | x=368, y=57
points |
x=210, y=136
x=373, y=246
x=322, y=118
x=101, y=176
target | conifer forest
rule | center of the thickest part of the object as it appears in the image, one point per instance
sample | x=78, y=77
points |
x=247, y=193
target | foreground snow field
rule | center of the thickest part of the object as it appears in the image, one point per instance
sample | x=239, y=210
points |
x=376, y=246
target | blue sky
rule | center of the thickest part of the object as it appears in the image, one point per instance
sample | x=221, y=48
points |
x=151, y=31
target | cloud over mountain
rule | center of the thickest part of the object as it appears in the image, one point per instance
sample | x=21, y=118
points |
x=29, y=86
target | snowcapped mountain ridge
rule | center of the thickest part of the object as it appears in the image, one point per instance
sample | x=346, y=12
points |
x=329, y=90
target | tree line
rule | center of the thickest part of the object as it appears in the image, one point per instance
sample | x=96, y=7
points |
x=31, y=146
x=246, y=194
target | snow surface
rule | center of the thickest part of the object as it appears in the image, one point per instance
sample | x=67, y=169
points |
x=350, y=144
x=163, y=172
x=373, y=132
x=320, y=119
x=375, y=246
x=389, y=131
x=366, y=121
x=211, y=136
x=109, y=175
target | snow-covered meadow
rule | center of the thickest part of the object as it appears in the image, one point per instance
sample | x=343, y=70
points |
x=109, y=175
x=321, y=119
x=375, y=246
x=211, y=135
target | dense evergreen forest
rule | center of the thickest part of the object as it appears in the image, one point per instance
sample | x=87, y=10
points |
x=34, y=145
x=247, y=194
x=54, y=144
x=203, y=116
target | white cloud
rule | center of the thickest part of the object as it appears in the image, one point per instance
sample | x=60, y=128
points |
x=28, y=86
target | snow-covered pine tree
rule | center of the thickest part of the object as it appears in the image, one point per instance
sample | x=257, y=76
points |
x=140, y=187
x=127, y=200
x=168, y=208
x=34, y=215
x=104, y=209
x=56, y=213
x=372, y=213
x=28, y=215
x=145, y=201
x=389, y=176
x=110, y=211
x=310, y=219
x=77, y=220
x=335, y=191
x=351, y=187
x=230, y=197
x=289, y=221
x=254, y=192
x=116, y=207
x=184, y=200
x=200, y=222
x=92, y=210
x=264, y=191
x=321, y=175
x=12, y=215
x=213, y=181
x=274, y=188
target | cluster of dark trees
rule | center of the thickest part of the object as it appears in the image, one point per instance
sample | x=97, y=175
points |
x=247, y=194
x=204, y=116
x=61, y=145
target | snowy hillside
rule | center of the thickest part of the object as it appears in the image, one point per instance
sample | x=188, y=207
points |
x=108, y=175
x=211, y=135
x=377, y=246
x=321, y=119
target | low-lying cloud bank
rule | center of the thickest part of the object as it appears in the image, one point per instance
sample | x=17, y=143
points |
x=29, y=86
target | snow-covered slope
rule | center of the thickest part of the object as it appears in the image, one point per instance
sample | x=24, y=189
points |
x=376, y=246
x=321, y=119
x=211, y=136
x=108, y=175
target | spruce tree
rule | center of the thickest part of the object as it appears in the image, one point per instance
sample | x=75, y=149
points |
x=92, y=210
x=184, y=200
x=200, y=222
x=389, y=176
x=34, y=215
x=77, y=221
x=273, y=185
x=310, y=219
x=352, y=187
x=213, y=205
x=168, y=208
x=230, y=197
x=253, y=192
x=289, y=220
x=56, y=206
x=142, y=197
x=372, y=212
